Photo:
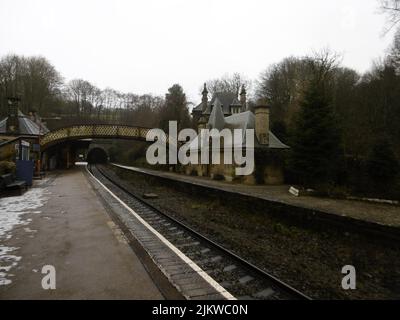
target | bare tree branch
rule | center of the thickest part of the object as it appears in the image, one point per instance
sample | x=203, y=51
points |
x=391, y=8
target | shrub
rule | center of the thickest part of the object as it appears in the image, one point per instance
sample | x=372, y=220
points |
x=7, y=167
x=382, y=166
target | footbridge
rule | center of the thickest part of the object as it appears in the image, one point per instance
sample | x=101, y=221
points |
x=64, y=143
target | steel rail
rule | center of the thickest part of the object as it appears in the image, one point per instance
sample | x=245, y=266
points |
x=247, y=265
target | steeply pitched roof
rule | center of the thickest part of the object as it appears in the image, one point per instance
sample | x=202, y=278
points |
x=226, y=99
x=3, y=125
x=26, y=126
x=216, y=119
x=198, y=108
x=236, y=102
x=244, y=120
x=275, y=143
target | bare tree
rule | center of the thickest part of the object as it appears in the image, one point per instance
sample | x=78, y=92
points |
x=95, y=99
x=393, y=57
x=228, y=83
x=280, y=86
x=41, y=82
x=11, y=67
x=323, y=63
x=33, y=79
x=391, y=8
x=81, y=92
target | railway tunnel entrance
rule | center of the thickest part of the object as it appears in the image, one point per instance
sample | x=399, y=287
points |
x=97, y=155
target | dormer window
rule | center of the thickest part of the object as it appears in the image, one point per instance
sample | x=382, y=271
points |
x=235, y=109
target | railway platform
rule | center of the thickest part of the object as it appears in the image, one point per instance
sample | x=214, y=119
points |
x=360, y=212
x=61, y=223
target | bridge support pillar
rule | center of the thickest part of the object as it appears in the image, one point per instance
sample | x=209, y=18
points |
x=69, y=157
x=44, y=161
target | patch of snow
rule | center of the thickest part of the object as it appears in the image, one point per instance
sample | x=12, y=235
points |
x=12, y=210
x=3, y=280
x=4, y=250
x=7, y=262
x=29, y=230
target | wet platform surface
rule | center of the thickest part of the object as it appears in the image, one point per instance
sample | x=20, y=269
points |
x=61, y=222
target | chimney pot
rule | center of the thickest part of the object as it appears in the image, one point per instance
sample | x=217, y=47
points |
x=243, y=98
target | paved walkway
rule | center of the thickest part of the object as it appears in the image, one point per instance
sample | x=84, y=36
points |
x=384, y=214
x=66, y=226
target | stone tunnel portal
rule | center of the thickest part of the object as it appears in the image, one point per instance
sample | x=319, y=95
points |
x=97, y=155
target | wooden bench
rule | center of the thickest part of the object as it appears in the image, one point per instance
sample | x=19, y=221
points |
x=9, y=183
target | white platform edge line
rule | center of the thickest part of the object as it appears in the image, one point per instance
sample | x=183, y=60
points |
x=179, y=253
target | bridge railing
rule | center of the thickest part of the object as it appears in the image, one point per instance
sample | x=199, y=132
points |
x=94, y=131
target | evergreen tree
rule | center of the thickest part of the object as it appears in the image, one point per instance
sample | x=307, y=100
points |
x=175, y=108
x=382, y=165
x=315, y=146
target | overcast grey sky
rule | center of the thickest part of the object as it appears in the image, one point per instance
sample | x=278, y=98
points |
x=146, y=46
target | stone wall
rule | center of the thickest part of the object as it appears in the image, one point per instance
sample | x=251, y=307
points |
x=269, y=170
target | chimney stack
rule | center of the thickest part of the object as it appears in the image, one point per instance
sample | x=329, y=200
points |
x=243, y=98
x=201, y=124
x=262, y=123
x=204, y=100
x=12, y=120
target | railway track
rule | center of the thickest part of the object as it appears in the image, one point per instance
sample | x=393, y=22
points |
x=238, y=276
